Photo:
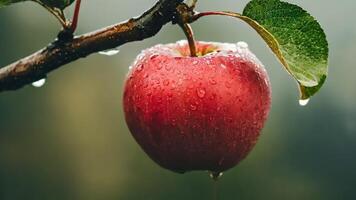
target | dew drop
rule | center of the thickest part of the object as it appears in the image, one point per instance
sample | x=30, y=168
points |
x=39, y=83
x=215, y=175
x=139, y=67
x=166, y=82
x=180, y=81
x=212, y=97
x=228, y=84
x=201, y=92
x=110, y=52
x=223, y=66
x=213, y=81
x=168, y=67
x=159, y=66
x=193, y=107
x=303, y=102
x=242, y=45
x=153, y=56
x=195, y=62
x=181, y=42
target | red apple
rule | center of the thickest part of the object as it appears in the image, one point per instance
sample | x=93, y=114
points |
x=197, y=113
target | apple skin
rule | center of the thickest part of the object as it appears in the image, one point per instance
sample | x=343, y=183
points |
x=197, y=113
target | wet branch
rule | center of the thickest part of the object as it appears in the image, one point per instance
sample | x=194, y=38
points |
x=67, y=49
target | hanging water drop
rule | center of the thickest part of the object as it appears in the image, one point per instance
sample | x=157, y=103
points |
x=215, y=175
x=303, y=102
x=110, y=52
x=39, y=83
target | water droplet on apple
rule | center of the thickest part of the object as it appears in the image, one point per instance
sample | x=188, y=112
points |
x=228, y=84
x=139, y=67
x=166, y=82
x=212, y=81
x=193, y=107
x=242, y=45
x=195, y=62
x=201, y=92
x=168, y=67
x=180, y=81
x=153, y=56
x=213, y=96
x=303, y=102
x=110, y=52
x=39, y=83
x=223, y=66
x=182, y=42
x=215, y=175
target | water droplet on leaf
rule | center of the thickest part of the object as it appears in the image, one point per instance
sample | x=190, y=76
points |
x=303, y=102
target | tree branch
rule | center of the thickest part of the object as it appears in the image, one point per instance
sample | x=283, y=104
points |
x=67, y=49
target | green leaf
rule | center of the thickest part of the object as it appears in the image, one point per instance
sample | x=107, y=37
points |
x=295, y=37
x=61, y=4
x=8, y=2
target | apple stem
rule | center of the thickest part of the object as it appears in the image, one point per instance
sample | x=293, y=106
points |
x=75, y=18
x=188, y=31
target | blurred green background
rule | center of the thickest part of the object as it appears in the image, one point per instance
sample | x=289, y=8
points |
x=68, y=139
